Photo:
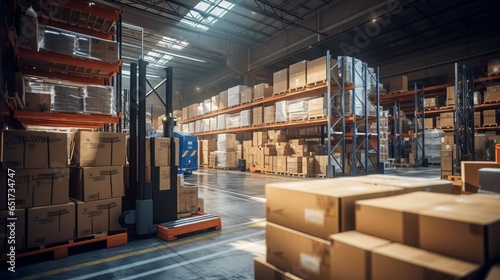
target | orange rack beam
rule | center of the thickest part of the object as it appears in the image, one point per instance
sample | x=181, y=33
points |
x=31, y=118
x=91, y=9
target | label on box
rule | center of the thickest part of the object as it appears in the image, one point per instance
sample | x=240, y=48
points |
x=310, y=263
x=312, y=216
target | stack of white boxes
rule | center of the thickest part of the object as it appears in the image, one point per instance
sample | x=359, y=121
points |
x=226, y=151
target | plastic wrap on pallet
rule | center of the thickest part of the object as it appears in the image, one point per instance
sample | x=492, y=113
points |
x=223, y=99
x=215, y=103
x=226, y=142
x=357, y=96
x=207, y=106
x=432, y=145
x=57, y=41
x=316, y=107
x=191, y=127
x=68, y=99
x=233, y=121
x=197, y=126
x=226, y=159
x=297, y=109
x=221, y=121
x=247, y=95
x=246, y=118
x=205, y=125
x=281, y=113
x=346, y=66
x=100, y=100
x=199, y=109
x=234, y=95
x=38, y=87
x=213, y=124
x=269, y=113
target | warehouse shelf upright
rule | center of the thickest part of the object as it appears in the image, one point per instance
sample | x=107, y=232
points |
x=100, y=20
x=464, y=116
x=419, y=117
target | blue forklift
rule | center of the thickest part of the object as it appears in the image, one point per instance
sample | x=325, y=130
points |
x=188, y=152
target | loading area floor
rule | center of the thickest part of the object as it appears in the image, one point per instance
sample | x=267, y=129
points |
x=237, y=197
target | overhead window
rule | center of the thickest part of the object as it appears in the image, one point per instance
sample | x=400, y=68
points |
x=206, y=13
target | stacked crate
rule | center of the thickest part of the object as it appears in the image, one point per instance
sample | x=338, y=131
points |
x=226, y=151
x=269, y=114
x=298, y=75
x=257, y=116
x=262, y=91
x=280, y=82
x=207, y=146
x=316, y=108
x=96, y=180
x=384, y=136
x=35, y=168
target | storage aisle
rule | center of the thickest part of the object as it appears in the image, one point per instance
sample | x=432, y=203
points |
x=239, y=198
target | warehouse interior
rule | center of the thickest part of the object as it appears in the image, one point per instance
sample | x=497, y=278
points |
x=250, y=139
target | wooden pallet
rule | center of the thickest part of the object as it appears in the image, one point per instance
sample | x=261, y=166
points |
x=320, y=176
x=445, y=127
x=396, y=92
x=302, y=175
x=281, y=173
x=318, y=117
x=494, y=74
x=270, y=172
x=492, y=101
x=223, y=168
x=431, y=108
x=297, y=88
x=490, y=124
x=317, y=83
x=279, y=93
x=403, y=165
x=257, y=125
x=299, y=120
x=258, y=99
x=447, y=107
x=60, y=250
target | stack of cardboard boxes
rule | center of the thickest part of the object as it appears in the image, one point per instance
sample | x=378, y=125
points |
x=376, y=228
x=262, y=91
x=96, y=181
x=257, y=116
x=298, y=76
x=448, y=154
x=269, y=114
x=450, y=96
x=399, y=83
x=492, y=94
x=280, y=81
x=206, y=147
x=226, y=151
x=35, y=167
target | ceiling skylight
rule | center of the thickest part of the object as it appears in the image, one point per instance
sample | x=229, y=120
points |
x=172, y=43
x=209, y=12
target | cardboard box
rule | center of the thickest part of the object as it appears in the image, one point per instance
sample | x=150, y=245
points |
x=492, y=94
x=280, y=81
x=351, y=254
x=470, y=170
x=269, y=114
x=490, y=117
x=431, y=102
x=97, y=216
x=447, y=119
x=399, y=83
x=408, y=184
x=50, y=224
x=494, y=272
x=206, y=147
x=5, y=231
x=428, y=123
x=316, y=70
x=187, y=199
x=164, y=178
x=266, y=271
x=261, y=91
x=223, y=95
x=161, y=150
x=257, y=115
x=447, y=160
x=397, y=261
x=298, y=74
x=23, y=149
x=450, y=96
x=104, y=50
x=396, y=218
x=99, y=149
x=259, y=138
x=477, y=119
x=309, y=256
x=281, y=164
x=94, y=183
x=467, y=232
x=39, y=102
x=319, y=208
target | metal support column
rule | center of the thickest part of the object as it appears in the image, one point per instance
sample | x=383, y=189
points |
x=133, y=194
x=464, y=116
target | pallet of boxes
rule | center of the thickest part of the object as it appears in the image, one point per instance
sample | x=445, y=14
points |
x=57, y=205
x=378, y=227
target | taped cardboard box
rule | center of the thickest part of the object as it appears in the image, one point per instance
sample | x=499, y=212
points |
x=298, y=74
x=309, y=257
x=319, y=208
x=398, y=261
x=5, y=230
x=97, y=216
x=467, y=232
x=396, y=218
x=163, y=177
x=351, y=254
x=408, y=184
x=99, y=149
x=23, y=149
x=316, y=70
x=494, y=272
x=94, y=183
x=266, y=271
x=280, y=81
x=39, y=102
x=50, y=224
x=399, y=83
x=104, y=50
x=257, y=115
x=261, y=91
x=223, y=99
x=187, y=199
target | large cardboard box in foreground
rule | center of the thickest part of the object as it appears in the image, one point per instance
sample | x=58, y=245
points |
x=470, y=171
x=467, y=231
x=266, y=271
x=351, y=254
x=20, y=230
x=309, y=256
x=94, y=183
x=99, y=149
x=50, y=224
x=409, y=184
x=23, y=149
x=97, y=216
x=319, y=208
x=398, y=261
x=396, y=218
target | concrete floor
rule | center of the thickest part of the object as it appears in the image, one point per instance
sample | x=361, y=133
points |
x=237, y=197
